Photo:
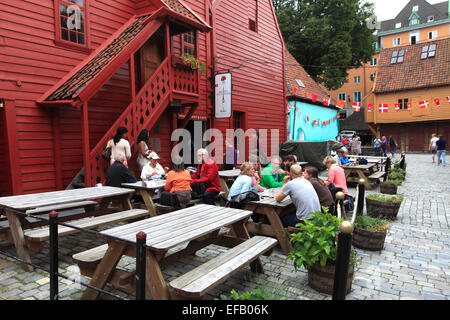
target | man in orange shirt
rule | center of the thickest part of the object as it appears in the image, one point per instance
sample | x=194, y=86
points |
x=179, y=181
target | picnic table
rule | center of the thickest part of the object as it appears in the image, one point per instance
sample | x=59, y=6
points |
x=379, y=161
x=147, y=189
x=17, y=208
x=198, y=226
x=273, y=211
x=224, y=176
x=364, y=171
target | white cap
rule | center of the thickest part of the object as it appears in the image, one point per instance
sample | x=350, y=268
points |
x=153, y=155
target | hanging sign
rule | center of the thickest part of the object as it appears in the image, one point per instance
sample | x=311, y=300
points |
x=223, y=95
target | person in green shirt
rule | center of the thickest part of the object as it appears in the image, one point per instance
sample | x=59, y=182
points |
x=272, y=176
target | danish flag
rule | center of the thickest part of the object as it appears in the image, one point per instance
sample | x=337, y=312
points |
x=326, y=101
x=397, y=107
x=314, y=97
x=356, y=106
x=438, y=103
x=383, y=107
x=448, y=99
x=294, y=89
x=369, y=107
x=409, y=104
x=424, y=104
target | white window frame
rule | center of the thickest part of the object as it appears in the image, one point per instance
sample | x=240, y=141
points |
x=300, y=83
x=430, y=19
x=374, y=62
x=397, y=41
x=357, y=79
x=414, y=22
x=415, y=8
x=416, y=34
x=354, y=96
x=398, y=25
x=433, y=35
x=345, y=97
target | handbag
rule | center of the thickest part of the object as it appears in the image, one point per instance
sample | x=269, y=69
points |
x=198, y=189
x=106, y=154
x=170, y=199
x=244, y=197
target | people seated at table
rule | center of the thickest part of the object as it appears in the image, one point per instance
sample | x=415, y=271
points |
x=152, y=170
x=178, y=182
x=336, y=174
x=119, y=143
x=323, y=192
x=273, y=175
x=289, y=161
x=302, y=194
x=256, y=178
x=206, y=181
x=117, y=173
x=243, y=182
x=344, y=161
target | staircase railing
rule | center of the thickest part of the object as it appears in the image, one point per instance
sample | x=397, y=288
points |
x=141, y=113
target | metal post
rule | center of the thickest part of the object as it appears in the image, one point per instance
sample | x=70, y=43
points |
x=386, y=168
x=141, y=239
x=344, y=247
x=340, y=196
x=402, y=162
x=53, y=220
x=362, y=190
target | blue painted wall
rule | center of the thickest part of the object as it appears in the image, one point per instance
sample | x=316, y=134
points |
x=305, y=129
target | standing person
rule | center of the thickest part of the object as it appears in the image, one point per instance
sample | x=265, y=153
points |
x=118, y=173
x=433, y=147
x=178, y=181
x=440, y=152
x=383, y=145
x=345, y=141
x=376, y=143
x=273, y=175
x=325, y=197
x=152, y=170
x=355, y=146
x=230, y=156
x=119, y=144
x=336, y=174
x=392, y=145
x=302, y=194
x=208, y=174
x=143, y=148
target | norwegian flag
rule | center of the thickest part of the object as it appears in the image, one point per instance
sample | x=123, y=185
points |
x=369, y=107
x=340, y=104
x=409, y=104
x=356, y=106
x=383, y=107
x=397, y=107
x=424, y=104
x=326, y=101
x=314, y=97
x=438, y=103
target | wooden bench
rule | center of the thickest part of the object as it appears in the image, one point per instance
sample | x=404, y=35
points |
x=64, y=206
x=35, y=238
x=377, y=175
x=195, y=283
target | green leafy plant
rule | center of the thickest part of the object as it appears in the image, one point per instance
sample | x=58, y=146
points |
x=257, y=294
x=385, y=198
x=394, y=182
x=372, y=224
x=193, y=62
x=316, y=241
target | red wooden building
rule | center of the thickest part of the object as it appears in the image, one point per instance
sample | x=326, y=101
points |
x=72, y=71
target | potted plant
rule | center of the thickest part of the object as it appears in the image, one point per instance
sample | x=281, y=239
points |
x=370, y=233
x=193, y=63
x=315, y=249
x=385, y=206
x=390, y=186
x=396, y=174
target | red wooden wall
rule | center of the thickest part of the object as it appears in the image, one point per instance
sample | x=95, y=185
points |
x=5, y=178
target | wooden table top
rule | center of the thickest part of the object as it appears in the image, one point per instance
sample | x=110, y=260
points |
x=174, y=228
x=362, y=166
x=149, y=185
x=266, y=200
x=36, y=200
x=230, y=173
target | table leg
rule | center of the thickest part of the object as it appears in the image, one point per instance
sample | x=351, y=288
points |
x=280, y=231
x=363, y=176
x=147, y=197
x=223, y=184
x=156, y=286
x=19, y=239
x=105, y=269
x=241, y=232
x=126, y=202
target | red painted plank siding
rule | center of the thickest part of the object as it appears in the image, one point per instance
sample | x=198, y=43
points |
x=5, y=176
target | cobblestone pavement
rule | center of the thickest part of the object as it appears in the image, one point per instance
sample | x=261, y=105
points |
x=415, y=263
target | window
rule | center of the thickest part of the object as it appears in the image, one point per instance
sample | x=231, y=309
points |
x=357, y=96
x=71, y=24
x=374, y=62
x=397, y=56
x=414, y=22
x=415, y=8
x=357, y=79
x=342, y=96
x=342, y=115
x=403, y=103
x=428, y=51
x=300, y=83
x=188, y=43
x=430, y=19
x=397, y=41
x=253, y=15
x=432, y=35
x=414, y=37
x=372, y=77
x=398, y=25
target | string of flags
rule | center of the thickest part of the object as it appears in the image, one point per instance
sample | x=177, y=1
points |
x=424, y=104
x=314, y=122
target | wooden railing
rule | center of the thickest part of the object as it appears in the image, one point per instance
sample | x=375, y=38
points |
x=184, y=80
x=141, y=113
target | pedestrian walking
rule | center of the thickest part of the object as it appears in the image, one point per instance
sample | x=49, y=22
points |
x=383, y=145
x=392, y=146
x=440, y=152
x=433, y=147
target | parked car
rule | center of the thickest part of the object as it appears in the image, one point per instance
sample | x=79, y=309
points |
x=347, y=133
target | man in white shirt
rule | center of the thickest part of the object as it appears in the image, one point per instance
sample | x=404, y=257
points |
x=433, y=147
x=152, y=170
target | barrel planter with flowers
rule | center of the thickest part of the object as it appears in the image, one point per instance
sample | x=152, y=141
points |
x=383, y=206
x=370, y=233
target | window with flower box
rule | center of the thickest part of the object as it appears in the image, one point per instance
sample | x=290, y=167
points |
x=71, y=23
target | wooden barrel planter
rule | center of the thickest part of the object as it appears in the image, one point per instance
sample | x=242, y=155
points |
x=322, y=278
x=380, y=209
x=388, y=188
x=368, y=240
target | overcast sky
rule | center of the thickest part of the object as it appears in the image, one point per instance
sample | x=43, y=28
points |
x=388, y=9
